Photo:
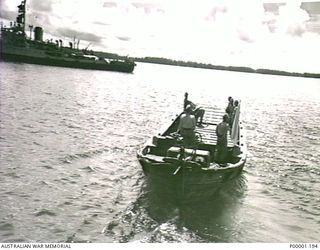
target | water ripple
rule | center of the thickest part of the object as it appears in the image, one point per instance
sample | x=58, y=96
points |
x=68, y=142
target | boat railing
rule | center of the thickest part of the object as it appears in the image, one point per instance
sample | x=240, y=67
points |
x=235, y=126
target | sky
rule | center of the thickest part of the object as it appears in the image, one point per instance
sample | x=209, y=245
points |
x=283, y=35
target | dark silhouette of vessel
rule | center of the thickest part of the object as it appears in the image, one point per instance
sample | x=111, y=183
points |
x=192, y=173
x=17, y=47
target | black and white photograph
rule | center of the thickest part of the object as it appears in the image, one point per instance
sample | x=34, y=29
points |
x=159, y=121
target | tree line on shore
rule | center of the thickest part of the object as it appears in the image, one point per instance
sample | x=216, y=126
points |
x=166, y=61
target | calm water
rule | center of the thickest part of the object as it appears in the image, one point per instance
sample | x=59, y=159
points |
x=68, y=169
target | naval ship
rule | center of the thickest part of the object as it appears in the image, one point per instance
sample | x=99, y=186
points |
x=15, y=46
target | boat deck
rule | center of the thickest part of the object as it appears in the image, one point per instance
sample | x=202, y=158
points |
x=211, y=119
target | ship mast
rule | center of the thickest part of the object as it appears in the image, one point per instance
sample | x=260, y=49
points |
x=21, y=18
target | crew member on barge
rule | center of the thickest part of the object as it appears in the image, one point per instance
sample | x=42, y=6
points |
x=197, y=111
x=187, y=125
x=222, y=141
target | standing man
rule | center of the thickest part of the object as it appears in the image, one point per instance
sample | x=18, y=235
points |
x=187, y=125
x=222, y=141
x=229, y=111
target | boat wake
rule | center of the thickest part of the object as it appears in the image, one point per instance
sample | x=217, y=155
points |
x=153, y=218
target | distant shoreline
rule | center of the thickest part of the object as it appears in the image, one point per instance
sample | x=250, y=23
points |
x=165, y=61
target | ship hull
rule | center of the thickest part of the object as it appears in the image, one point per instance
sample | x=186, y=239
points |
x=43, y=54
x=69, y=63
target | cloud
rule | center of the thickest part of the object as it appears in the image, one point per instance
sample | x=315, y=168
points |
x=40, y=6
x=210, y=31
x=100, y=23
x=8, y=11
x=8, y=15
x=313, y=8
x=109, y=5
x=292, y=19
x=272, y=7
x=123, y=38
x=215, y=11
x=148, y=8
x=67, y=32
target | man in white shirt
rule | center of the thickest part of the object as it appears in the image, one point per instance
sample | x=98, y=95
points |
x=187, y=125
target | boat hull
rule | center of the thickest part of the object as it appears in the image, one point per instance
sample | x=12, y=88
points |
x=188, y=183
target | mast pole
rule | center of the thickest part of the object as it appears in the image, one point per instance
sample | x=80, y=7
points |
x=24, y=14
x=21, y=19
